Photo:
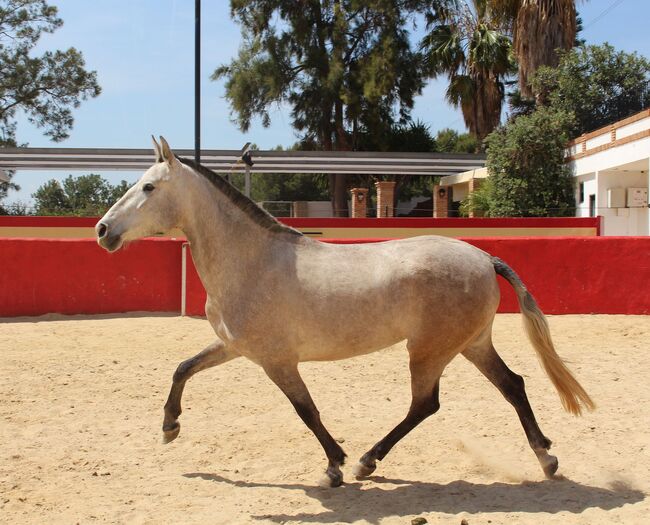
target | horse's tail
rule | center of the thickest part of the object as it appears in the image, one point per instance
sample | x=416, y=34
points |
x=571, y=393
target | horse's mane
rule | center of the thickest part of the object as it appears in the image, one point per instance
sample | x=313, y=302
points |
x=249, y=207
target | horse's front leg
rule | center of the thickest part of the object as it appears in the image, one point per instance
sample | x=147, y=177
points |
x=213, y=355
x=287, y=378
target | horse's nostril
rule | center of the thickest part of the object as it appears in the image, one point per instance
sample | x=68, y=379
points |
x=101, y=230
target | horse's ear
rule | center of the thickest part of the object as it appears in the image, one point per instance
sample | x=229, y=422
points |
x=156, y=150
x=167, y=153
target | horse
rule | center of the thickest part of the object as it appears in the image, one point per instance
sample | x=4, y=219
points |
x=279, y=298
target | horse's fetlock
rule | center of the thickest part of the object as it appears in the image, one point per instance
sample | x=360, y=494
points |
x=333, y=477
x=170, y=431
x=363, y=470
x=369, y=460
x=172, y=412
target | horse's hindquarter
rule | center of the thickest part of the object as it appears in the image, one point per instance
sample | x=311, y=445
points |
x=355, y=299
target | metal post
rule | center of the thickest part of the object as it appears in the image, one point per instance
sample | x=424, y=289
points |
x=197, y=81
x=184, y=278
x=248, y=162
x=247, y=181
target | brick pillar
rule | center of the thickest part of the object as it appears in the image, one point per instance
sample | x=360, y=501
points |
x=359, y=202
x=440, y=201
x=299, y=209
x=474, y=184
x=385, y=194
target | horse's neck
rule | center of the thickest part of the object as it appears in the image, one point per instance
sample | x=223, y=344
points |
x=225, y=242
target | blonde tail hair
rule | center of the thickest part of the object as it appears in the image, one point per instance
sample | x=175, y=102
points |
x=572, y=395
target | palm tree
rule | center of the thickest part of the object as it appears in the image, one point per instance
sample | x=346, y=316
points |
x=465, y=42
x=539, y=28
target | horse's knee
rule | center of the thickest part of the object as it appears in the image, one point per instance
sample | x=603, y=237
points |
x=426, y=410
x=422, y=410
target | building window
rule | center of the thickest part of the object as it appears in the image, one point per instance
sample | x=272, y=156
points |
x=592, y=205
x=581, y=192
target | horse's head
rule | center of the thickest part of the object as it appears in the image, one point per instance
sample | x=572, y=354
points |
x=148, y=207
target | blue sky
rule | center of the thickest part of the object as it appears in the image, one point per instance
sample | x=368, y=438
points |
x=143, y=50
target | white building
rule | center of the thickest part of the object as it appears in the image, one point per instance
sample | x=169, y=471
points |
x=610, y=166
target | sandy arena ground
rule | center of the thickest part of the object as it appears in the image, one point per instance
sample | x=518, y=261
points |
x=81, y=408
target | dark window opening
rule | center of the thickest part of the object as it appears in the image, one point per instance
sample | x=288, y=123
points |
x=592, y=205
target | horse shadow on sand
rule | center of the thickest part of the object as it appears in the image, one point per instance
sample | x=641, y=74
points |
x=353, y=501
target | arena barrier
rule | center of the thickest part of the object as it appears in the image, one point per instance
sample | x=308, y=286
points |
x=76, y=276
x=606, y=275
x=340, y=228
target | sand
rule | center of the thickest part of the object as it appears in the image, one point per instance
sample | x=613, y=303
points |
x=81, y=408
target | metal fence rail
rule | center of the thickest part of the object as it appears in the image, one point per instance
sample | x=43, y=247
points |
x=225, y=161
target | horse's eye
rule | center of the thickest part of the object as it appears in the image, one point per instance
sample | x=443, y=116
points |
x=148, y=187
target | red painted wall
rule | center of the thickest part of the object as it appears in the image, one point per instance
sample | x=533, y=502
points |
x=316, y=222
x=607, y=275
x=430, y=222
x=76, y=276
x=567, y=275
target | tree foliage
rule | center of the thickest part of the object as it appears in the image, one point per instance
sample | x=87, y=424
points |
x=84, y=196
x=342, y=66
x=450, y=141
x=597, y=84
x=539, y=28
x=412, y=136
x=15, y=208
x=46, y=87
x=528, y=175
x=284, y=187
x=466, y=43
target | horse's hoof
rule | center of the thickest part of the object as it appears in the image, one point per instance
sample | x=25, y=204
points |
x=170, y=432
x=361, y=471
x=331, y=479
x=550, y=465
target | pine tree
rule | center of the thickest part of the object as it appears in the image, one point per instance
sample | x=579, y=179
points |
x=344, y=67
x=45, y=88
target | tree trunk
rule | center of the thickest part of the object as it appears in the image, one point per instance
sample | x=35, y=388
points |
x=340, y=190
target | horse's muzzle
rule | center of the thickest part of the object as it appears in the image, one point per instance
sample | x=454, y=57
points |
x=106, y=239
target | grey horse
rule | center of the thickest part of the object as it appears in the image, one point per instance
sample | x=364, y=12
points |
x=279, y=298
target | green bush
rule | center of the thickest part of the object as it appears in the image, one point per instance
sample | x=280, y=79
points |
x=528, y=174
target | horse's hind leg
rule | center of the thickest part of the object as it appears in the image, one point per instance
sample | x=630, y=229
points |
x=511, y=385
x=287, y=378
x=213, y=355
x=426, y=369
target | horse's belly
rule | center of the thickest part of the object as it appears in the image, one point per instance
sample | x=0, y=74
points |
x=332, y=349
x=332, y=339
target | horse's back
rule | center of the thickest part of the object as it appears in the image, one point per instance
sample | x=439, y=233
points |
x=427, y=257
